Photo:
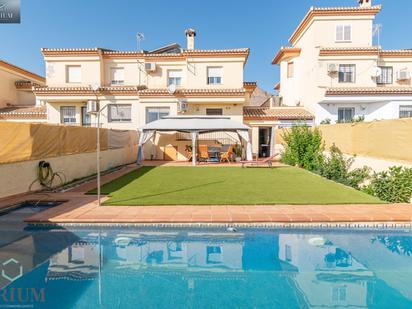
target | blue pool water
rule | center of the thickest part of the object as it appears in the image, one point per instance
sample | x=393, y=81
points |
x=204, y=268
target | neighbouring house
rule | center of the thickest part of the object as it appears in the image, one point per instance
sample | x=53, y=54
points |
x=17, y=101
x=333, y=69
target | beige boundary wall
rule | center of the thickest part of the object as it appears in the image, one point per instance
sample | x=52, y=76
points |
x=70, y=150
x=15, y=178
x=384, y=139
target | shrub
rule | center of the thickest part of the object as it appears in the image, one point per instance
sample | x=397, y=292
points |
x=303, y=147
x=326, y=121
x=336, y=167
x=394, y=185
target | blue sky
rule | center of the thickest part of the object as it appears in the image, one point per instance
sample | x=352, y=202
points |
x=261, y=25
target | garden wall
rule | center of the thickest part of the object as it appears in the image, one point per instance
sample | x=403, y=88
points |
x=383, y=139
x=71, y=151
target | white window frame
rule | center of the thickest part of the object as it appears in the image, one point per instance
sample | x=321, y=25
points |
x=116, y=81
x=71, y=117
x=343, y=69
x=159, y=110
x=119, y=119
x=405, y=111
x=344, y=120
x=386, y=77
x=343, y=33
x=214, y=78
x=175, y=77
x=70, y=78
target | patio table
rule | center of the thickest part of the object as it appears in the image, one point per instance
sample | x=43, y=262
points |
x=214, y=152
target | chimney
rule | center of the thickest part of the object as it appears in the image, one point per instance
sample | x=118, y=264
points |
x=365, y=3
x=190, y=38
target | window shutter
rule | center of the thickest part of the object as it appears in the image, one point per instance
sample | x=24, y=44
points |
x=339, y=33
x=347, y=33
x=118, y=74
x=175, y=74
x=214, y=72
x=74, y=74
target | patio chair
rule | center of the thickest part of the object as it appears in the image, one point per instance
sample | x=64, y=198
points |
x=203, y=153
x=267, y=161
x=226, y=156
x=189, y=153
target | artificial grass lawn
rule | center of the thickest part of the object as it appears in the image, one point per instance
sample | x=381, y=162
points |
x=228, y=186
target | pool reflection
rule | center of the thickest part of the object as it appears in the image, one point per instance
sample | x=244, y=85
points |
x=215, y=269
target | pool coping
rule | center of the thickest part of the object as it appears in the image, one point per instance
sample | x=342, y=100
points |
x=396, y=226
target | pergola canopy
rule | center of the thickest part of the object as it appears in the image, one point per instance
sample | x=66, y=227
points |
x=194, y=125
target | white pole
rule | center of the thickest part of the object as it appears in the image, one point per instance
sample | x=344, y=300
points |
x=98, y=158
x=194, y=135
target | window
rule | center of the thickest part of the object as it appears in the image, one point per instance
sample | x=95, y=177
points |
x=291, y=69
x=68, y=114
x=343, y=33
x=73, y=74
x=214, y=111
x=346, y=114
x=86, y=120
x=347, y=73
x=213, y=254
x=288, y=253
x=156, y=113
x=338, y=294
x=174, y=78
x=120, y=113
x=386, y=77
x=405, y=111
x=117, y=76
x=214, y=75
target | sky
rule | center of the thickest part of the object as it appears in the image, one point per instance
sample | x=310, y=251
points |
x=262, y=25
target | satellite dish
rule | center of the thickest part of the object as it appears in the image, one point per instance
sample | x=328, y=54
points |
x=375, y=72
x=95, y=86
x=171, y=88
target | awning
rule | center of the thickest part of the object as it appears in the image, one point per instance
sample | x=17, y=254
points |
x=194, y=125
x=199, y=124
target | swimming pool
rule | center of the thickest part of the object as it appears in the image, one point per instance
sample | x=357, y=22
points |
x=207, y=268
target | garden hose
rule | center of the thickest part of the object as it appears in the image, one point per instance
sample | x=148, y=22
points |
x=46, y=176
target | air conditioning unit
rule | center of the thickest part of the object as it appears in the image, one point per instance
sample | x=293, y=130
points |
x=183, y=106
x=92, y=107
x=333, y=68
x=150, y=66
x=403, y=75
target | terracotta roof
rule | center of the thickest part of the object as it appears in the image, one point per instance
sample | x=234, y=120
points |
x=194, y=92
x=276, y=113
x=25, y=85
x=142, y=54
x=134, y=90
x=368, y=91
x=21, y=71
x=373, y=50
x=250, y=86
x=277, y=86
x=332, y=11
x=23, y=112
x=286, y=52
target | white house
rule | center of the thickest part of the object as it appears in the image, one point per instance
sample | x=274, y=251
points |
x=333, y=69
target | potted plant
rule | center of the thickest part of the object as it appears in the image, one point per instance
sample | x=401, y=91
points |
x=238, y=153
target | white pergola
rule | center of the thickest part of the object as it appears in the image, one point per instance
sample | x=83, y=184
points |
x=194, y=125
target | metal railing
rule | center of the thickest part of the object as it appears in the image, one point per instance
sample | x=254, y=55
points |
x=224, y=138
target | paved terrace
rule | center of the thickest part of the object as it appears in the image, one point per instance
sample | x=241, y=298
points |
x=81, y=208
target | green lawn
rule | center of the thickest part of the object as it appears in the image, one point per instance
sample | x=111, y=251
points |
x=228, y=186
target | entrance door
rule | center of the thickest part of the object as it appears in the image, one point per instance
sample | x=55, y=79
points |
x=264, y=141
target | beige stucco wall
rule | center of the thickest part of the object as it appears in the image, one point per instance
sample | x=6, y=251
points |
x=8, y=92
x=97, y=70
x=72, y=166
